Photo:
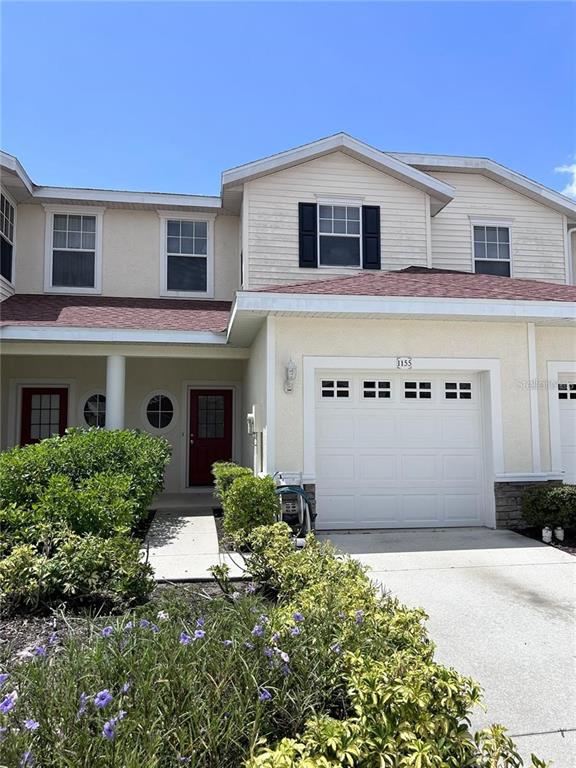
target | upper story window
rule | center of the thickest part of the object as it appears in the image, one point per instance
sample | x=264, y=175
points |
x=339, y=233
x=7, y=238
x=187, y=264
x=492, y=250
x=73, y=250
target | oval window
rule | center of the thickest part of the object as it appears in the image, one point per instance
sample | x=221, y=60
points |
x=95, y=411
x=159, y=411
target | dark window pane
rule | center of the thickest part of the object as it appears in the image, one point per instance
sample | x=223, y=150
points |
x=491, y=236
x=186, y=273
x=201, y=229
x=187, y=228
x=60, y=221
x=159, y=411
x=74, y=223
x=173, y=245
x=73, y=269
x=480, y=250
x=88, y=223
x=6, y=259
x=479, y=234
x=504, y=251
x=174, y=228
x=95, y=411
x=340, y=251
x=200, y=245
x=501, y=268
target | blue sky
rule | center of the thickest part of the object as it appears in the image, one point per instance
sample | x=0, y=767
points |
x=164, y=96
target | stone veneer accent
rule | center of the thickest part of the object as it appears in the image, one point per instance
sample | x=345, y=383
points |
x=509, y=501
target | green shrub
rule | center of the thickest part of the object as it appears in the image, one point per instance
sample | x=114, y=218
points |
x=225, y=472
x=105, y=572
x=79, y=454
x=550, y=505
x=249, y=502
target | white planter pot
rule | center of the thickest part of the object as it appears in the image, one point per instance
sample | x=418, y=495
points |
x=559, y=533
x=547, y=535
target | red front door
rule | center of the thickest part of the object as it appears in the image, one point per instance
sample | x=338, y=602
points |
x=44, y=413
x=210, y=432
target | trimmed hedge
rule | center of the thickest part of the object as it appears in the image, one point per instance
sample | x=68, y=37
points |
x=249, y=502
x=225, y=472
x=25, y=472
x=550, y=505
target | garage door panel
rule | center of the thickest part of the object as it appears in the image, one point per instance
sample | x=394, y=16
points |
x=377, y=467
x=397, y=462
x=339, y=431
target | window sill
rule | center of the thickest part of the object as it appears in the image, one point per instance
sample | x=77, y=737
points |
x=71, y=290
x=186, y=294
x=339, y=266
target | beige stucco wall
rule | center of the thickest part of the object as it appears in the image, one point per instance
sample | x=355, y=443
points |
x=144, y=376
x=255, y=400
x=553, y=344
x=537, y=232
x=130, y=252
x=349, y=337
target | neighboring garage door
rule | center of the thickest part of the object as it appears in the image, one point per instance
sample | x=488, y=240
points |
x=567, y=403
x=396, y=451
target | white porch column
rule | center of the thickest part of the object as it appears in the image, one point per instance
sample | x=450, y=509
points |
x=115, y=386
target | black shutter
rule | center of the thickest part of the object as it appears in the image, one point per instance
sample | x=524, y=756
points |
x=371, y=237
x=308, y=240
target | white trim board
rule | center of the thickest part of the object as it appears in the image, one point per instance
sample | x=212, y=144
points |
x=554, y=369
x=488, y=366
x=111, y=335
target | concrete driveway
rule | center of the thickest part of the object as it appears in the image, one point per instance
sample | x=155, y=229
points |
x=501, y=610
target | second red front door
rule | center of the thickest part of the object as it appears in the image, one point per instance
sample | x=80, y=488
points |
x=210, y=432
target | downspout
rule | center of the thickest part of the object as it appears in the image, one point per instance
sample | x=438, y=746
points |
x=571, y=275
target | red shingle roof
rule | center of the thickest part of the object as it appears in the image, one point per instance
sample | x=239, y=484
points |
x=103, y=312
x=435, y=283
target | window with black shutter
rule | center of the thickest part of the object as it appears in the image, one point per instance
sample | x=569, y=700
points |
x=6, y=237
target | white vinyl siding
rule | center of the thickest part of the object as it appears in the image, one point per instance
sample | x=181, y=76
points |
x=270, y=240
x=536, y=231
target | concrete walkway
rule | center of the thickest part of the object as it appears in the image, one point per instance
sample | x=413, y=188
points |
x=182, y=543
x=501, y=610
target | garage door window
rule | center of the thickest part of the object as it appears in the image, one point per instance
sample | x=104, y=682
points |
x=567, y=391
x=418, y=390
x=335, y=388
x=373, y=390
x=458, y=390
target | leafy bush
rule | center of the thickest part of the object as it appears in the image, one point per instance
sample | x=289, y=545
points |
x=105, y=572
x=331, y=674
x=249, y=502
x=550, y=505
x=80, y=454
x=225, y=472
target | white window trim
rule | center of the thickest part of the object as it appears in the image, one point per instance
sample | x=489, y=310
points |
x=348, y=203
x=479, y=221
x=209, y=218
x=11, y=283
x=73, y=210
x=147, y=426
x=82, y=402
x=555, y=369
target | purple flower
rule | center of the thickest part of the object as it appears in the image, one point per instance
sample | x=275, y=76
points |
x=200, y=622
x=53, y=639
x=3, y=677
x=285, y=669
x=27, y=759
x=31, y=725
x=249, y=645
x=143, y=623
x=199, y=634
x=298, y=616
x=275, y=637
x=103, y=698
x=268, y=652
x=284, y=656
x=40, y=650
x=154, y=629
x=126, y=687
x=3, y=732
x=341, y=615
x=263, y=618
x=265, y=695
x=109, y=730
x=107, y=631
x=295, y=631
x=128, y=626
x=8, y=703
x=258, y=630
x=251, y=588
x=335, y=648
x=82, y=708
x=359, y=617
x=227, y=643
x=185, y=638
x=184, y=759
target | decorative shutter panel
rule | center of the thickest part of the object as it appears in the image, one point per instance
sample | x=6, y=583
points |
x=371, y=237
x=308, y=241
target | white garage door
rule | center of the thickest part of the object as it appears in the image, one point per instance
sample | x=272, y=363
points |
x=567, y=403
x=397, y=451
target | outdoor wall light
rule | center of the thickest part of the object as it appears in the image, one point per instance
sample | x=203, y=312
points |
x=291, y=373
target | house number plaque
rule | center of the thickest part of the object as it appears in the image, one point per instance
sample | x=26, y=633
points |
x=403, y=363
